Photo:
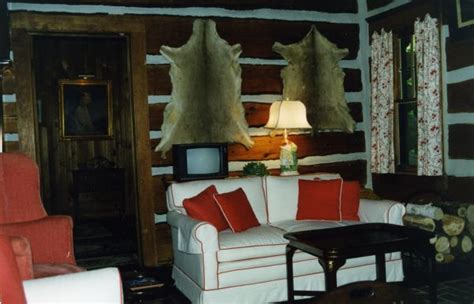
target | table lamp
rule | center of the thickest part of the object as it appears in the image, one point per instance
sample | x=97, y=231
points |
x=284, y=115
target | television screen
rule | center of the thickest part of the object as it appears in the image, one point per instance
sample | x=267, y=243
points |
x=203, y=160
x=200, y=161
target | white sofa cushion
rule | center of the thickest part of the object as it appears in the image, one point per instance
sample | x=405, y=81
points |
x=265, y=241
x=257, y=242
x=293, y=226
x=252, y=186
x=274, y=268
x=282, y=194
x=279, y=259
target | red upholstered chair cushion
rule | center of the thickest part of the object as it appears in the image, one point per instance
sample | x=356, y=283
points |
x=237, y=210
x=319, y=199
x=202, y=207
x=350, y=200
x=11, y=287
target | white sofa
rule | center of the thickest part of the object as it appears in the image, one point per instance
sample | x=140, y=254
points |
x=249, y=267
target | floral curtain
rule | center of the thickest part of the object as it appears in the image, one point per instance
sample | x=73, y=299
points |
x=382, y=148
x=430, y=152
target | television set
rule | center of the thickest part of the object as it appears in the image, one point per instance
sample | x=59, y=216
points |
x=200, y=161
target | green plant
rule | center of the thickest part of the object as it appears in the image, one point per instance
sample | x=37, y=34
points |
x=255, y=168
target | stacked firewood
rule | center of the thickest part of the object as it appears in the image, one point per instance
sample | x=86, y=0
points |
x=453, y=224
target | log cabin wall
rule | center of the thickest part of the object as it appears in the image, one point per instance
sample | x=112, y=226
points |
x=256, y=25
x=458, y=109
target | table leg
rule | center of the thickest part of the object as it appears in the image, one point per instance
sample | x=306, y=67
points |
x=380, y=267
x=289, y=273
x=330, y=269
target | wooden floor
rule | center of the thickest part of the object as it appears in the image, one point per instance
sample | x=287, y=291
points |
x=459, y=291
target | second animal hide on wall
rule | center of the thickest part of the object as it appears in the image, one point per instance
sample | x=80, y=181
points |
x=314, y=76
x=205, y=101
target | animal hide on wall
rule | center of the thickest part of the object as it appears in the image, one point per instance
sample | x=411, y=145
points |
x=314, y=76
x=205, y=101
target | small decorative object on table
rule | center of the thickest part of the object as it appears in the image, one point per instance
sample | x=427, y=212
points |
x=255, y=169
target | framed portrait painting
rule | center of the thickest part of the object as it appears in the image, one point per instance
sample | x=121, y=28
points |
x=85, y=109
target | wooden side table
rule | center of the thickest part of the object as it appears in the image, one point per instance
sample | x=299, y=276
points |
x=334, y=246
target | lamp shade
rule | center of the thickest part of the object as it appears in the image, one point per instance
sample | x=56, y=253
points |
x=287, y=114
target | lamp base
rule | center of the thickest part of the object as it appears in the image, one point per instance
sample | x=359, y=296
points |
x=288, y=159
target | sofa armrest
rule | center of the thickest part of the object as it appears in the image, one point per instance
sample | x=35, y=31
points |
x=194, y=237
x=94, y=286
x=381, y=211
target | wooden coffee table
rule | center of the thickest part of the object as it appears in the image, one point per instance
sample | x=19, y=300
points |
x=334, y=246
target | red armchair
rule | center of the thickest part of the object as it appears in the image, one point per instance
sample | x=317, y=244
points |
x=22, y=214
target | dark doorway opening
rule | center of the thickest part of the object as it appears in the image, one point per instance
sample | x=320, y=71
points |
x=91, y=178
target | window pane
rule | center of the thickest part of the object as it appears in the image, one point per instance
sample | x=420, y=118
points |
x=407, y=133
x=410, y=77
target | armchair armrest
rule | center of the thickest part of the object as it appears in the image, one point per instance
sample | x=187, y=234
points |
x=381, y=211
x=50, y=238
x=194, y=237
x=22, y=251
x=94, y=286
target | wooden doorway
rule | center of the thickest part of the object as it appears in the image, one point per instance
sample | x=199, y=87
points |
x=83, y=106
x=25, y=27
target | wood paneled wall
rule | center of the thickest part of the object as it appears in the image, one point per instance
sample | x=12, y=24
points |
x=341, y=152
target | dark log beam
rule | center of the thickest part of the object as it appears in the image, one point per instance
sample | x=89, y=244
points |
x=256, y=36
x=459, y=53
x=347, y=6
x=373, y=4
x=461, y=145
x=256, y=79
x=461, y=97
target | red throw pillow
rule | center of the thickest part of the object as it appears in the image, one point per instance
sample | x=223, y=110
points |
x=202, y=207
x=319, y=199
x=350, y=200
x=237, y=210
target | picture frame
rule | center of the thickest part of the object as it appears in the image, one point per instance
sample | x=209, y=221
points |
x=461, y=19
x=85, y=109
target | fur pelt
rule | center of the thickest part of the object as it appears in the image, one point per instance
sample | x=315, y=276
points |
x=314, y=76
x=205, y=101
